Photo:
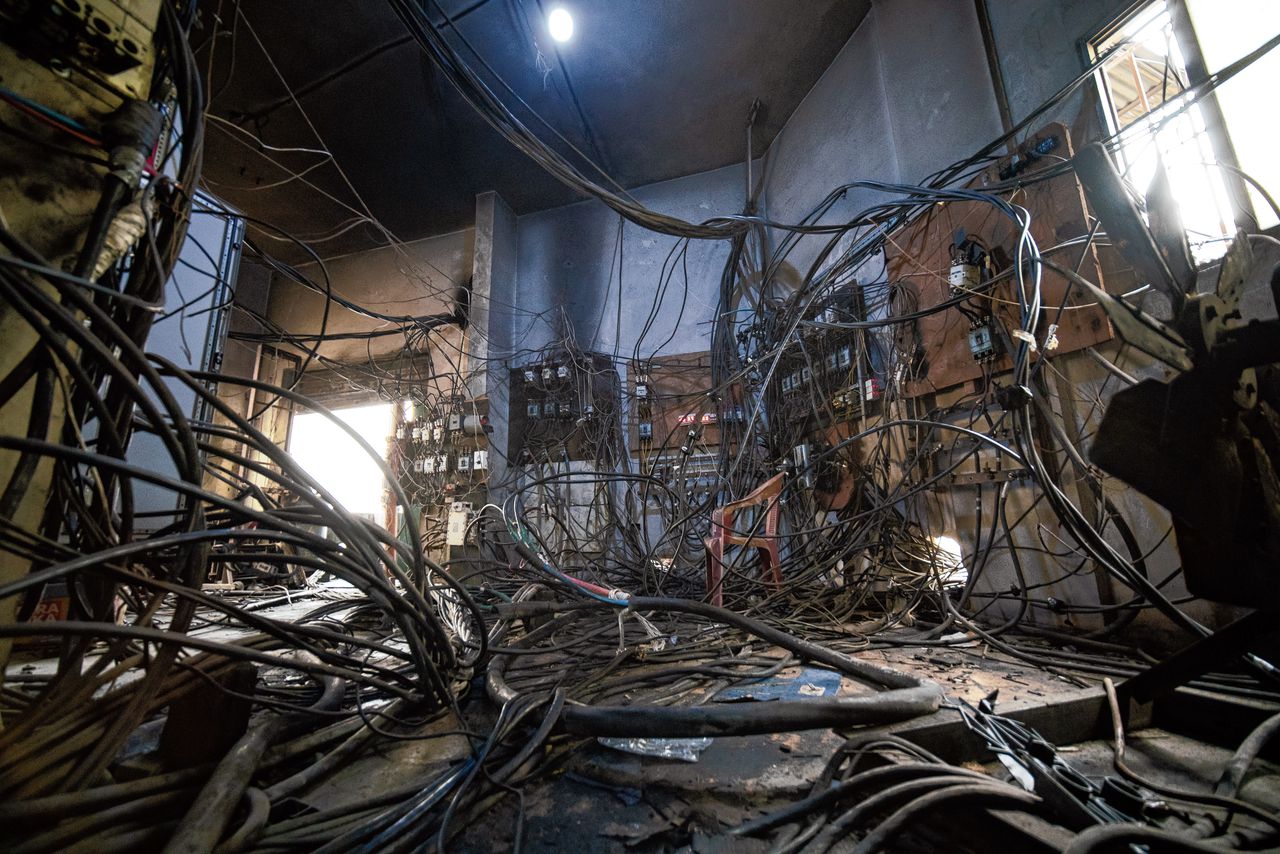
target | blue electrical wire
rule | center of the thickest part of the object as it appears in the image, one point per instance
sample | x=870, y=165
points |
x=10, y=95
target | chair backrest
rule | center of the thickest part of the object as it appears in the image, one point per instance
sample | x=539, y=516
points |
x=767, y=493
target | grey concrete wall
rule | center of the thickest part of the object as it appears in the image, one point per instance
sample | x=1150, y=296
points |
x=488, y=336
x=943, y=106
x=568, y=275
x=1041, y=47
x=909, y=93
x=416, y=280
x=842, y=131
x=493, y=286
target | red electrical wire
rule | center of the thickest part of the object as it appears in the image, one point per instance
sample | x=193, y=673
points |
x=49, y=120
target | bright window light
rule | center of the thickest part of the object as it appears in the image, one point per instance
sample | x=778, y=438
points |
x=1226, y=32
x=328, y=454
x=560, y=24
x=1146, y=71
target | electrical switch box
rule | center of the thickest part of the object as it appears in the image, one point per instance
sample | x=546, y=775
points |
x=459, y=518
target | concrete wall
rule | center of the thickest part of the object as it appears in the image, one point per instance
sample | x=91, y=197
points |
x=420, y=279
x=1041, y=47
x=488, y=336
x=909, y=93
x=849, y=127
x=569, y=273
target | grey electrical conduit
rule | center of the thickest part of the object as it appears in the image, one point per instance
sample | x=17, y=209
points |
x=52, y=808
x=253, y=825
x=908, y=696
x=1123, y=838
x=88, y=826
x=1233, y=774
x=887, y=775
x=984, y=795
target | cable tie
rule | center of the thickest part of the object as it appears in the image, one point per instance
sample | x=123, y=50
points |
x=1025, y=336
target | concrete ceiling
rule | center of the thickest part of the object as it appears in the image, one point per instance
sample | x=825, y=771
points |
x=649, y=89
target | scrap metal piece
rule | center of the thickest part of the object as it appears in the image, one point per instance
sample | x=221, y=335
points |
x=1110, y=200
x=1219, y=313
x=1167, y=230
x=1136, y=327
x=1234, y=272
x=1187, y=446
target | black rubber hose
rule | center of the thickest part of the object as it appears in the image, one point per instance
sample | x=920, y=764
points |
x=1233, y=774
x=908, y=698
x=206, y=821
x=886, y=775
x=750, y=718
x=984, y=795
x=1123, y=837
x=52, y=808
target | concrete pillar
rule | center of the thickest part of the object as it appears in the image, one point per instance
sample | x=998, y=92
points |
x=488, y=344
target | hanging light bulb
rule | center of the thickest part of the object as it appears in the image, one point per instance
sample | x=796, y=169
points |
x=560, y=24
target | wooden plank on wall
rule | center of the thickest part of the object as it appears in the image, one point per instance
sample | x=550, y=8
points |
x=919, y=259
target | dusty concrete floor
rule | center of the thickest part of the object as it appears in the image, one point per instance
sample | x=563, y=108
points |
x=606, y=800
x=644, y=804
x=602, y=799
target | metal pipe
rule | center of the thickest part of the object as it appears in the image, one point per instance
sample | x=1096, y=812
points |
x=993, y=67
x=203, y=825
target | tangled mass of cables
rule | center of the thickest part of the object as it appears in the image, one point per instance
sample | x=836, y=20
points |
x=574, y=619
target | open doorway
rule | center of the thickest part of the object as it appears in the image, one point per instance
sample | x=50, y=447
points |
x=327, y=453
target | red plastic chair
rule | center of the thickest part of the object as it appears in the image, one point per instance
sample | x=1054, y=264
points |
x=764, y=539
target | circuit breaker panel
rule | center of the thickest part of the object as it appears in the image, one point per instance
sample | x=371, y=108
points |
x=830, y=376
x=442, y=457
x=563, y=408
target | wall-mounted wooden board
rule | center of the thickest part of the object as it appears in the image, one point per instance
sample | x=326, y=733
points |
x=918, y=258
x=676, y=399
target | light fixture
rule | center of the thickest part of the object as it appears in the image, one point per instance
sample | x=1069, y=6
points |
x=560, y=24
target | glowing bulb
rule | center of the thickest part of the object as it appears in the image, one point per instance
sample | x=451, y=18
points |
x=560, y=24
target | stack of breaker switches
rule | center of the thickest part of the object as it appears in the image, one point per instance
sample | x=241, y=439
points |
x=563, y=407
x=444, y=465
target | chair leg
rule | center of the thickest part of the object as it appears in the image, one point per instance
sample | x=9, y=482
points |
x=772, y=559
x=771, y=562
x=715, y=569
